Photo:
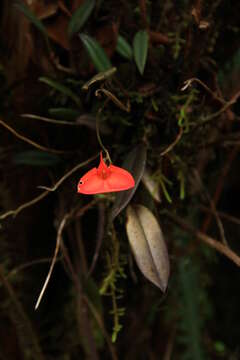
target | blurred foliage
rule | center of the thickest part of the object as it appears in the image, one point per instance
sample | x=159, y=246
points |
x=98, y=305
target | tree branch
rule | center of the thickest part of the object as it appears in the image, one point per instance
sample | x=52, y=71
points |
x=221, y=248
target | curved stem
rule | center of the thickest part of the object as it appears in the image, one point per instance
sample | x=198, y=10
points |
x=98, y=132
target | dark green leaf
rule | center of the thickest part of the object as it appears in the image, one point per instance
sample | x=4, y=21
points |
x=135, y=164
x=140, y=49
x=123, y=48
x=32, y=17
x=90, y=121
x=64, y=113
x=36, y=158
x=61, y=88
x=96, y=53
x=80, y=16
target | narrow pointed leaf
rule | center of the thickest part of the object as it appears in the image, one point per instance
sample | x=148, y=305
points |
x=90, y=121
x=123, y=48
x=61, y=88
x=80, y=16
x=64, y=113
x=135, y=164
x=32, y=17
x=96, y=53
x=148, y=245
x=140, y=49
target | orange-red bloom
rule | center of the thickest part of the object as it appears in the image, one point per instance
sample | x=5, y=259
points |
x=105, y=179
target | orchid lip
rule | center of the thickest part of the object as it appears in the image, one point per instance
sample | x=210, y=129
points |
x=105, y=178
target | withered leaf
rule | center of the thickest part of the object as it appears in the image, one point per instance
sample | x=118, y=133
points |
x=148, y=245
x=151, y=185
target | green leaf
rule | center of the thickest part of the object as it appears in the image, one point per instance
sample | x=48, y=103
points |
x=135, y=164
x=32, y=17
x=64, y=113
x=90, y=121
x=61, y=88
x=80, y=16
x=148, y=245
x=123, y=48
x=96, y=53
x=140, y=49
x=36, y=158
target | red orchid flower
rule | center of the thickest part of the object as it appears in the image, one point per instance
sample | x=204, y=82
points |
x=105, y=179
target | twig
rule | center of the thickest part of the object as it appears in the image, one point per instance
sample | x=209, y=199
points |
x=84, y=321
x=24, y=206
x=170, y=345
x=79, y=257
x=226, y=104
x=69, y=173
x=48, y=190
x=196, y=11
x=48, y=120
x=225, y=107
x=64, y=8
x=157, y=37
x=213, y=207
x=221, y=214
x=211, y=117
x=101, y=326
x=229, y=143
x=56, y=62
x=143, y=12
x=114, y=99
x=81, y=211
x=62, y=224
x=79, y=254
x=173, y=144
x=189, y=82
x=27, y=265
x=58, y=242
x=29, y=141
x=98, y=130
x=221, y=248
x=99, y=237
x=219, y=187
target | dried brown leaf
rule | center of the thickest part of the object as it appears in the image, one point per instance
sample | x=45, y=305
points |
x=151, y=185
x=148, y=245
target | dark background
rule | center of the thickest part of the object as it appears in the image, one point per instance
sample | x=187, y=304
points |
x=198, y=316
